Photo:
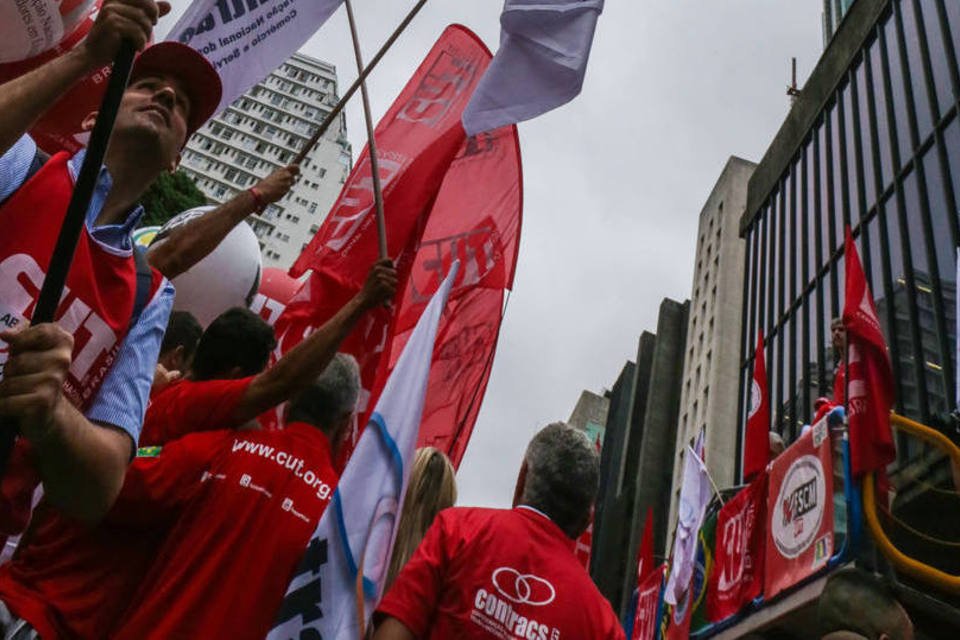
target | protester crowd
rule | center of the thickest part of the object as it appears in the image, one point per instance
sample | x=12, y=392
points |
x=142, y=497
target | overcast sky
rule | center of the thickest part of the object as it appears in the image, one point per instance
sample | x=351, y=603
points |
x=613, y=183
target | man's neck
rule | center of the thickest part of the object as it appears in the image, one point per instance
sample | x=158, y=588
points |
x=131, y=172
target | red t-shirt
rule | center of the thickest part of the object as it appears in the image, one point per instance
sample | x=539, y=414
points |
x=188, y=406
x=493, y=573
x=72, y=581
x=224, y=568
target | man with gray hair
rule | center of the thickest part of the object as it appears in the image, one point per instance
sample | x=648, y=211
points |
x=496, y=573
x=856, y=605
x=234, y=511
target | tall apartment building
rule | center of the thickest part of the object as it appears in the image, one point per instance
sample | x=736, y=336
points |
x=264, y=130
x=712, y=350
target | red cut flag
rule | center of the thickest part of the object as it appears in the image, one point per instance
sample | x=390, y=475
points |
x=737, y=576
x=418, y=138
x=645, y=553
x=648, y=603
x=756, y=446
x=476, y=219
x=869, y=374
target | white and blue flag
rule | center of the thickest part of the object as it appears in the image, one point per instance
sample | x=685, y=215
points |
x=339, y=580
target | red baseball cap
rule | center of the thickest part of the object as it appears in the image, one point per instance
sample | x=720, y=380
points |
x=198, y=77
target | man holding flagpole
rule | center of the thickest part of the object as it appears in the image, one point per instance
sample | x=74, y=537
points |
x=78, y=388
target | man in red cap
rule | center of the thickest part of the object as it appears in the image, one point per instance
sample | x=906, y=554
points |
x=77, y=388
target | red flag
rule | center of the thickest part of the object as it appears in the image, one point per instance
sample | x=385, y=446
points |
x=737, y=576
x=868, y=373
x=475, y=219
x=417, y=138
x=756, y=447
x=648, y=602
x=645, y=553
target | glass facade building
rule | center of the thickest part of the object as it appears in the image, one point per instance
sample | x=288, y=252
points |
x=874, y=143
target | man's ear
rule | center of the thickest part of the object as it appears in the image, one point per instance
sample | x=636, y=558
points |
x=174, y=163
x=179, y=358
x=88, y=122
x=521, y=484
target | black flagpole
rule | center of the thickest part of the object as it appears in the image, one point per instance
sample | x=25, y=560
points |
x=53, y=284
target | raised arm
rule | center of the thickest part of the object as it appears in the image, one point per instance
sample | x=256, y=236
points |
x=23, y=100
x=190, y=243
x=301, y=365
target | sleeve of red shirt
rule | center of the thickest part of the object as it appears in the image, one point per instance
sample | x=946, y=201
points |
x=191, y=407
x=416, y=591
x=155, y=487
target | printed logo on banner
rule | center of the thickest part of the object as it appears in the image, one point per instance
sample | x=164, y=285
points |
x=798, y=510
x=756, y=398
x=443, y=83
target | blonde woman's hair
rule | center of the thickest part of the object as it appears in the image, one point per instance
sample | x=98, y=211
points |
x=432, y=488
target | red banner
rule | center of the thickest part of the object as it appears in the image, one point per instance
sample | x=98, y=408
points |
x=648, y=602
x=476, y=220
x=737, y=576
x=869, y=376
x=756, y=447
x=799, y=521
x=417, y=139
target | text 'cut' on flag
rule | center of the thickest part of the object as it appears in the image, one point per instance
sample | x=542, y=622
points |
x=337, y=585
x=245, y=41
x=540, y=65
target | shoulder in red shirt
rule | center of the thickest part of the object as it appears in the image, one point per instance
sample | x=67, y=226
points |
x=226, y=564
x=492, y=573
x=187, y=406
x=72, y=581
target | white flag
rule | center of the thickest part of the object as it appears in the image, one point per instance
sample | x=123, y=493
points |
x=338, y=583
x=247, y=39
x=695, y=494
x=540, y=65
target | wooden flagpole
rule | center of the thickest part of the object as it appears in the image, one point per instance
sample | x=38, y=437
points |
x=371, y=138
x=358, y=82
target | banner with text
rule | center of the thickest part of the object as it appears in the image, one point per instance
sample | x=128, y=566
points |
x=737, y=576
x=648, y=604
x=418, y=139
x=476, y=219
x=799, y=520
x=246, y=40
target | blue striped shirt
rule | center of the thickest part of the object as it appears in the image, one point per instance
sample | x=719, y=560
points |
x=122, y=398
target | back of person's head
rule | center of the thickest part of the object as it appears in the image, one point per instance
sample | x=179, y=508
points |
x=431, y=489
x=237, y=344
x=179, y=341
x=330, y=401
x=856, y=604
x=562, y=474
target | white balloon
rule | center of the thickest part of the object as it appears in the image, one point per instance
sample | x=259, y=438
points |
x=228, y=277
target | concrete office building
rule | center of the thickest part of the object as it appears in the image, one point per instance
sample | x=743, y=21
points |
x=590, y=415
x=637, y=455
x=263, y=131
x=873, y=143
x=711, y=357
